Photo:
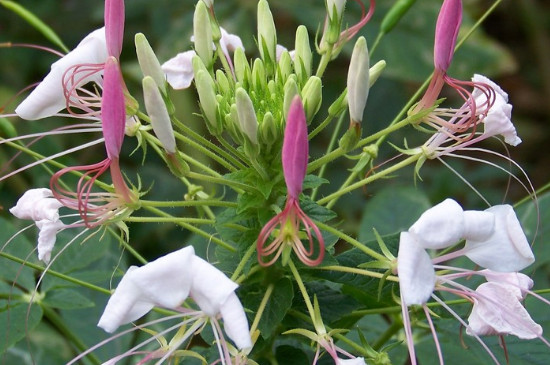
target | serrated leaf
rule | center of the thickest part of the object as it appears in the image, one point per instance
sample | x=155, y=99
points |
x=316, y=211
x=313, y=181
x=16, y=321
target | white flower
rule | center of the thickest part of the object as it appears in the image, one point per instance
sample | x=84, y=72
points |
x=167, y=282
x=507, y=249
x=337, y=5
x=498, y=311
x=48, y=98
x=40, y=206
x=415, y=270
x=358, y=80
x=440, y=226
x=37, y=205
x=179, y=69
x=498, y=119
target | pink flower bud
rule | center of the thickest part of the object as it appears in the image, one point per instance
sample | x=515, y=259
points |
x=446, y=31
x=295, y=148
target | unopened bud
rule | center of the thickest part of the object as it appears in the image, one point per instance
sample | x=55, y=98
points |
x=312, y=96
x=358, y=80
x=267, y=34
x=208, y=3
x=291, y=90
x=148, y=61
x=160, y=120
x=242, y=67
x=248, y=122
x=335, y=8
x=303, y=56
x=259, y=80
x=176, y=164
x=207, y=96
x=223, y=83
x=331, y=33
x=268, y=130
x=339, y=105
x=284, y=67
x=375, y=71
x=202, y=31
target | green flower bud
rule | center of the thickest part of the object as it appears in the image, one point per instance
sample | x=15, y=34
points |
x=358, y=80
x=242, y=67
x=248, y=122
x=284, y=68
x=331, y=33
x=267, y=34
x=207, y=96
x=176, y=164
x=259, y=81
x=303, y=55
x=339, y=105
x=202, y=30
x=291, y=90
x=394, y=15
x=209, y=3
x=375, y=71
x=224, y=87
x=148, y=61
x=198, y=65
x=335, y=8
x=160, y=120
x=312, y=96
x=269, y=133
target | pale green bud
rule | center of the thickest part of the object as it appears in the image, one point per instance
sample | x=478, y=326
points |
x=259, y=80
x=242, y=67
x=207, y=96
x=209, y=3
x=198, y=65
x=224, y=87
x=246, y=115
x=269, y=133
x=202, y=30
x=267, y=34
x=339, y=105
x=232, y=124
x=148, y=61
x=375, y=71
x=176, y=164
x=335, y=8
x=358, y=80
x=312, y=96
x=291, y=90
x=160, y=120
x=303, y=55
x=284, y=68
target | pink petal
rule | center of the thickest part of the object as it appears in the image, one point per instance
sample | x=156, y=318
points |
x=295, y=148
x=113, y=108
x=446, y=31
x=114, y=26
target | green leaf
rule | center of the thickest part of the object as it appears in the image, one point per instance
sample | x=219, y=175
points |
x=66, y=299
x=16, y=321
x=35, y=22
x=290, y=355
x=316, y=212
x=333, y=303
x=313, y=181
x=392, y=210
x=532, y=217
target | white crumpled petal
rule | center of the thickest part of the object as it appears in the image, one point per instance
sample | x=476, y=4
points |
x=498, y=119
x=478, y=225
x=210, y=287
x=230, y=42
x=356, y=361
x=507, y=249
x=37, y=205
x=235, y=322
x=164, y=282
x=179, y=70
x=47, y=236
x=47, y=98
x=415, y=271
x=517, y=282
x=440, y=226
x=497, y=311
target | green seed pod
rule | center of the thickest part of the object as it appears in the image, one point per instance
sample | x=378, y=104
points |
x=394, y=15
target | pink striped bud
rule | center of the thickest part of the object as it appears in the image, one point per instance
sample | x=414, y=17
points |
x=113, y=108
x=295, y=148
x=446, y=31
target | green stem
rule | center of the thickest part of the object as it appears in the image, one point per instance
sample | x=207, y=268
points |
x=237, y=186
x=329, y=148
x=353, y=270
x=170, y=220
x=371, y=178
x=325, y=59
x=205, y=151
x=352, y=241
x=261, y=308
x=346, y=183
x=58, y=323
x=187, y=203
x=395, y=327
x=320, y=127
x=54, y=273
x=243, y=262
x=302, y=289
x=192, y=228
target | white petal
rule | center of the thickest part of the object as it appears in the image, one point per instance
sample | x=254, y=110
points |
x=48, y=98
x=478, y=225
x=179, y=70
x=125, y=305
x=356, y=361
x=210, y=287
x=47, y=237
x=517, y=282
x=497, y=310
x=235, y=322
x=507, y=249
x=440, y=226
x=37, y=204
x=415, y=271
x=167, y=280
x=230, y=42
